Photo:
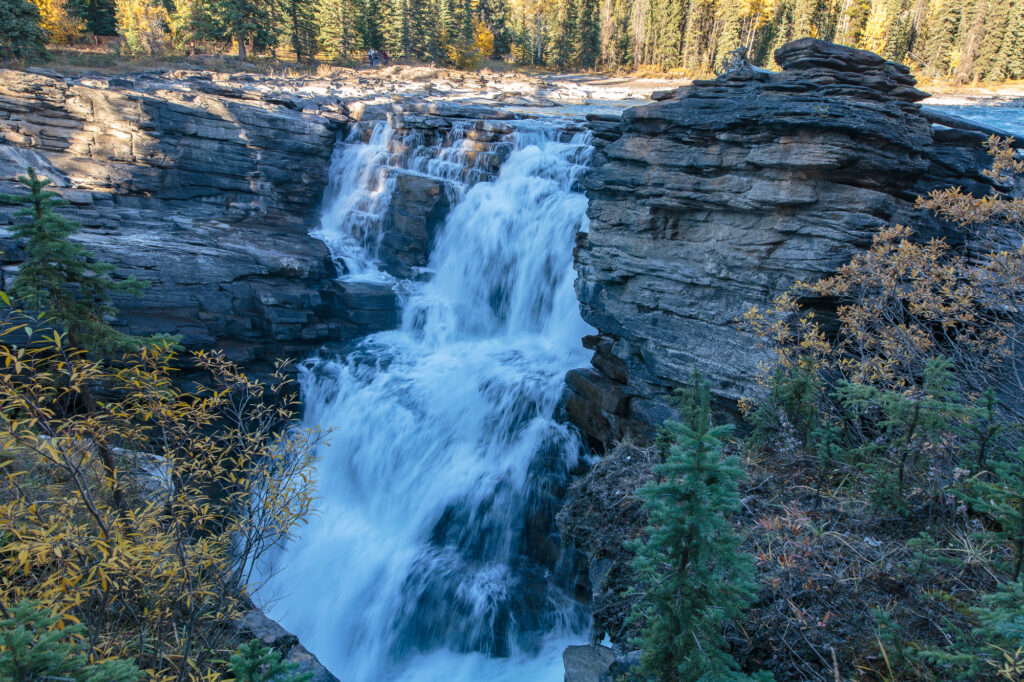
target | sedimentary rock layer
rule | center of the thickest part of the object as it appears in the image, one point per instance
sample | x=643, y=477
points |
x=724, y=194
x=209, y=198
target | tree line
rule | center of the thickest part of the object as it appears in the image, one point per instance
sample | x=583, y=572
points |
x=964, y=40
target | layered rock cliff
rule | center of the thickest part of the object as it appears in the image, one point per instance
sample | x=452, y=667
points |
x=724, y=194
x=208, y=185
x=208, y=197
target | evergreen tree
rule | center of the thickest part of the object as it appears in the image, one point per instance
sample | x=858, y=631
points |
x=371, y=23
x=939, y=39
x=20, y=34
x=254, y=662
x=33, y=648
x=690, y=568
x=99, y=16
x=587, y=50
x=339, y=22
x=972, y=33
x=191, y=23
x=1001, y=498
x=494, y=14
x=300, y=20
x=1009, y=60
x=243, y=20
x=58, y=280
x=566, y=36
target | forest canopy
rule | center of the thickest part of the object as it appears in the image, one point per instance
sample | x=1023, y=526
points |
x=962, y=40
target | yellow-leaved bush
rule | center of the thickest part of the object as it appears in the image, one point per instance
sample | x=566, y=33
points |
x=145, y=514
x=905, y=301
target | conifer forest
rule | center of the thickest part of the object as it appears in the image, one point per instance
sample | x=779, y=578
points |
x=960, y=40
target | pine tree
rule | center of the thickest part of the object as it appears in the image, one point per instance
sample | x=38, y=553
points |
x=254, y=662
x=1009, y=60
x=494, y=14
x=566, y=36
x=301, y=28
x=99, y=16
x=1000, y=44
x=939, y=39
x=338, y=22
x=1001, y=498
x=693, y=576
x=34, y=648
x=372, y=21
x=243, y=20
x=588, y=48
x=57, y=279
x=20, y=34
x=192, y=23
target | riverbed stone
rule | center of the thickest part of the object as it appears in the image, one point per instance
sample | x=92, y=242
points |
x=588, y=663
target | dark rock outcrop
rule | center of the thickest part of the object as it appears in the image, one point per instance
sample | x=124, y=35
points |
x=206, y=191
x=723, y=195
x=601, y=513
x=256, y=625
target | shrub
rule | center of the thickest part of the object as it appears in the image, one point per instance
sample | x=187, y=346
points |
x=156, y=552
x=905, y=308
x=254, y=662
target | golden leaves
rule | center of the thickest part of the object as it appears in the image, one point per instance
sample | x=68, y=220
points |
x=213, y=478
x=904, y=301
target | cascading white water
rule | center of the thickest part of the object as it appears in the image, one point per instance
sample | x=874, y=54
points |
x=424, y=562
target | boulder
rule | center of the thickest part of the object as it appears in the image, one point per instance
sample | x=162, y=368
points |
x=256, y=624
x=588, y=663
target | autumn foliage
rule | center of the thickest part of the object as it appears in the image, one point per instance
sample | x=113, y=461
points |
x=897, y=385
x=155, y=556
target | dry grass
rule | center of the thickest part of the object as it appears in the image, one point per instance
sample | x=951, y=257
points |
x=845, y=590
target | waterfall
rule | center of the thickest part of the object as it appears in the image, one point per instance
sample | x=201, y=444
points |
x=431, y=556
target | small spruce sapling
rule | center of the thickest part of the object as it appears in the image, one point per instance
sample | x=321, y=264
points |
x=1002, y=500
x=33, y=648
x=693, y=575
x=254, y=662
x=58, y=281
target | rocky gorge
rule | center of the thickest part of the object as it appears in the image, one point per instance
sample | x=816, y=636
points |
x=715, y=198
x=722, y=195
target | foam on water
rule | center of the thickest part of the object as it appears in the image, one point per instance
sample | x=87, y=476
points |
x=419, y=564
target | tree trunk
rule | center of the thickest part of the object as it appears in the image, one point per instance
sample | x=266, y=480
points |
x=538, y=39
x=241, y=46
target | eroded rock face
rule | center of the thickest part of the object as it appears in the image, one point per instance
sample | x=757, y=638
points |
x=723, y=195
x=205, y=191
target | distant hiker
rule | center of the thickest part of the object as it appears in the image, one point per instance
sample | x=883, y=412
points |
x=373, y=57
x=384, y=57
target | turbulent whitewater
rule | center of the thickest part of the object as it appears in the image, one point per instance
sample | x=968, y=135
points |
x=432, y=555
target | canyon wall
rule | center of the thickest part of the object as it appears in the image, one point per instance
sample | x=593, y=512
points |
x=207, y=186
x=207, y=195
x=725, y=193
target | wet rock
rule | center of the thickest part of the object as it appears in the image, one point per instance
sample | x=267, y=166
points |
x=720, y=197
x=589, y=663
x=417, y=212
x=600, y=514
x=255, y=624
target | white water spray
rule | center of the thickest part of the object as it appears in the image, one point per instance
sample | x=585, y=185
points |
x=424, y=562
